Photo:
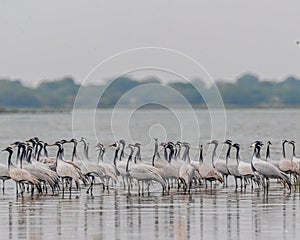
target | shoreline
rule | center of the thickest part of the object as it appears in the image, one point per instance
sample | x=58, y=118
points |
x=66, y=110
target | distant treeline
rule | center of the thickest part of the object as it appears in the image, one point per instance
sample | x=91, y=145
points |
x=246, y=91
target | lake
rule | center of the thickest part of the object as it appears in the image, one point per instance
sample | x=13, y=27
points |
x=217, y=213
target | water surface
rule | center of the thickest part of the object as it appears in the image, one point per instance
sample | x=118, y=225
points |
x=218, y=213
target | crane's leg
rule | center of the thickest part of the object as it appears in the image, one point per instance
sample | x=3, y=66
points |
x=63, y=186
x=226, y=180
x=128, y=186
x=3, y=186
x=139, y=188
x=70, y=189
x=236, y=185
x=32, y=189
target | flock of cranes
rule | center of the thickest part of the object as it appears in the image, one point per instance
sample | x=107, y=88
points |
x=32, y=169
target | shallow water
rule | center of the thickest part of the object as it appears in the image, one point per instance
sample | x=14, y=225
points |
x=205, y=214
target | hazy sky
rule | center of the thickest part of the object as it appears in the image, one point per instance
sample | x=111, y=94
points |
x=41, y=40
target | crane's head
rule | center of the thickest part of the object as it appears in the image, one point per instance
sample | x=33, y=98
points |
x=257, y=143
x=99, y=145
x=83, y=139
x=73, y=140
x=228, y=141
x=15, y=144
x=131, y=146
x=292, y=142
x=213, y=142
x=8, y=149
x=63, y=141
x=170, y=145
x=41, y=143
x=236, y=145
x=116, y=145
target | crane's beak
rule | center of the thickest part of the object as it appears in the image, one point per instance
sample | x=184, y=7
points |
x=14, y=144
x=99, y=145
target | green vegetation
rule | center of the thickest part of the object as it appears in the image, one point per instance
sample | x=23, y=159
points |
x=247, y=91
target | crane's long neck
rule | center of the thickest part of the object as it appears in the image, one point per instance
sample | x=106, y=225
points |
x=21, y=161
x=294, y=150
x=45, y=151
x=9, y=159
x=178, y=152
x=283, y=149
x=18, y=154
x=156, y=152
x=268, y=153
x=62, y=153
x=122, y=151
x=74, y=153
x=39, y=153
x=165, y=153
x=171, y=154
x=99, y=155
x=175, y=153
x=86, y=150
x=258, y=151
x=237, y=155
x=59, y=155
x=184, y=155
x=214, y=155
x=36, y=150
x=129, y=159
x=228, y=153
x=153, y=159
x=102, y=154
x=22, y=156
x=116, y=156
x=253, y=155
x=138, y=154
x=29, y=153
x=187, y=154
x=201, y=156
